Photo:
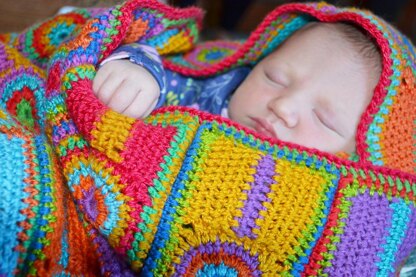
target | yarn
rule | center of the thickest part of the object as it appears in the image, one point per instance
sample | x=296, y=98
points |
x=87, y=191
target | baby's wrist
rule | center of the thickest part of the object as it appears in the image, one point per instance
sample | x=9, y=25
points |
x=144, y=56
x=122, y=55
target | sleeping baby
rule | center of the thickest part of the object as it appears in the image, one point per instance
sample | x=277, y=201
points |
x=311, y=91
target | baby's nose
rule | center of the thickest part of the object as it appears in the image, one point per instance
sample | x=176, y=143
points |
x=286, y=109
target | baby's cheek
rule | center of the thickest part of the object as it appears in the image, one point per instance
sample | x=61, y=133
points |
x=232, y=107
x=237, y=110
x=350, y=145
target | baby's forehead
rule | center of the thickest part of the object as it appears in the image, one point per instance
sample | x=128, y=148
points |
x=345, y=39
x=315, y=37
x=327, y=34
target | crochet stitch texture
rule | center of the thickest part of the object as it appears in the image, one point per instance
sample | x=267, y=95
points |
x=87, y=191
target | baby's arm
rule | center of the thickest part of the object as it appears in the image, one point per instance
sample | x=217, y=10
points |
x=130, y=80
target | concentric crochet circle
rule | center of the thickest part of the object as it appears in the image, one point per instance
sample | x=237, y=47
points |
x=210, y=53
x=51, y=34
x=19, y=89
x=218, y=259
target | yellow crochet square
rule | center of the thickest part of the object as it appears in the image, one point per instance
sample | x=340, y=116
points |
x=111, y=133
x=213, y=204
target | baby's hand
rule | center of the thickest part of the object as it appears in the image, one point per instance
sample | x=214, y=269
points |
x=126, y=88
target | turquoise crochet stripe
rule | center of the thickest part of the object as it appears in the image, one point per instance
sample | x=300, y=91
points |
x=173, y=204
x=163, y=38
x=373, y=140
x=216, y=270
x=111, y=202
x=34, y=83
x=12, y=176
x=24, y=80
x=397, y=232
x=5, y=119
x=59, y=31
x=64, y=255
x=299, y=266
x=290, y=27
x=62, y=274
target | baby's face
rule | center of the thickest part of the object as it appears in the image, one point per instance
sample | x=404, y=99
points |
x=311, y=91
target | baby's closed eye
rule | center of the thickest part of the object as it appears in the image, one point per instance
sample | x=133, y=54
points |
x=276, y=78
x=326, y=121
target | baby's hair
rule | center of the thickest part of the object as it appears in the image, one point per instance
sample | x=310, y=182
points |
x=363, y=43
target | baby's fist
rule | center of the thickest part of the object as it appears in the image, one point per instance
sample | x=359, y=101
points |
x=126, y=88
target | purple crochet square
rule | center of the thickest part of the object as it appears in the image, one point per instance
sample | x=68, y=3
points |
x=365, y=231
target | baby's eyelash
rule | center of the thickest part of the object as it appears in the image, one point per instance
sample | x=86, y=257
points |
x=273, y=79
x=269, y=77
x=323, y=121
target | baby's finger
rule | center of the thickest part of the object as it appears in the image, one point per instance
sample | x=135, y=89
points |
x=142, y=105
x=150, y=109
x=109, y=88
x=125, y=94
x=100, y=77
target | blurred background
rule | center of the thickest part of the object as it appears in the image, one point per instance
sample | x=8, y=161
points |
x=242, y=16
x=224, y=18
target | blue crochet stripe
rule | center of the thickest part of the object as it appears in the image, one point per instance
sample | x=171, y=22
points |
x=12, y=175
x=146, y=15
x=5, y=119
x=162, y=235
x=94, y=47
x=299, y=266
x=162, y=39
x=399, y=224
x=373, y=141
x=59, y=31
x=216, y=270
x=106, y=189
x=65, y=255
x=407, y=46
x=31, y=81
x=290, y=27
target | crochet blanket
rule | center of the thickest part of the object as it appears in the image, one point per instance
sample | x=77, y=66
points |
x=87, y=191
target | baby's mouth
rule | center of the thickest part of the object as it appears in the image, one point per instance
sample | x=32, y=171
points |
x=262, y=126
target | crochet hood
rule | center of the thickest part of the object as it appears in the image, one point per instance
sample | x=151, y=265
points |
x=386, y=132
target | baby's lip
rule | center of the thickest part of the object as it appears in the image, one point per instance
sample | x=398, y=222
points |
x=262, y=126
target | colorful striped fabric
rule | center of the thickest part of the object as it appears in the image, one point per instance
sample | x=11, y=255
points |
x=88, y=192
